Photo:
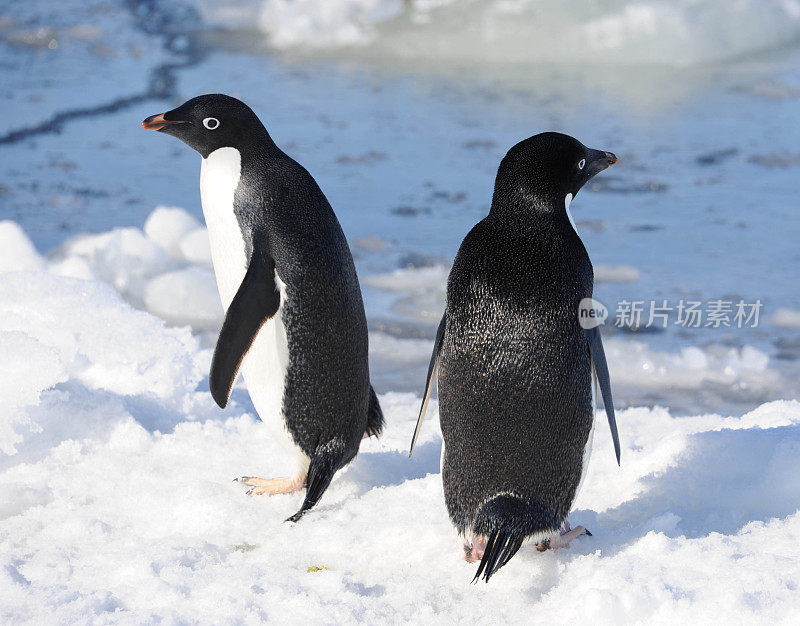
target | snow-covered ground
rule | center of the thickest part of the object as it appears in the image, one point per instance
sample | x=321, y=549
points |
x=116, y=497
x=117, y=501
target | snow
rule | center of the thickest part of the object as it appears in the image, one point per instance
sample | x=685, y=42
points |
x=164, y=268
x=21, y=383
x=195, y=247
x=117, y=502
x=18, y=252
x=98, y=339
x=187, y=296
x=167, y=226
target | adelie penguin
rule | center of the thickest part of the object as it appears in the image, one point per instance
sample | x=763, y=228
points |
x=515, y=365
x=294, y=319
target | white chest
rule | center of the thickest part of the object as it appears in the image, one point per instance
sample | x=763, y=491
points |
x=265, y=366
x=219, y=177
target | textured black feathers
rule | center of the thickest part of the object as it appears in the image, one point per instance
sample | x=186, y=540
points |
x=374, y=415
x=502, y=545
x=255, y=302
x=324, y=463
x=508, y=519
x=514, y=371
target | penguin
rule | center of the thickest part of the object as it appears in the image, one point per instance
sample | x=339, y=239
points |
x=515, y=365
x=294, y=319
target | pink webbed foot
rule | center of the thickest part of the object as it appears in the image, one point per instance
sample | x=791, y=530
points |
x=561, y=539
x=272, y=486
x=472, y=551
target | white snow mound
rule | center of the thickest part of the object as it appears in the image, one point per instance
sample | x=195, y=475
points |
x=17, y=252
x=117, y=505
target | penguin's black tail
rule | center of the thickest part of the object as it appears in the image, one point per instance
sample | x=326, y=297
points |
x=507, y=520
x=324, y=463
x=374, y=416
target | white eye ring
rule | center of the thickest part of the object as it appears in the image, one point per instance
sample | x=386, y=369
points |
x=211, y=123
x=581, y=163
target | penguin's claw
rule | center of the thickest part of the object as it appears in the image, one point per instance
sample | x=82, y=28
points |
x=272, y=486
x=561, y=539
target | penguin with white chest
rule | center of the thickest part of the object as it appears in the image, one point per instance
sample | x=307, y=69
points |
x=294, y=318
x=515, y=365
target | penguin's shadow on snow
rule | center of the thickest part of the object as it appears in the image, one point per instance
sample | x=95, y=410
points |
x=71, y=410
x=388, y=468
x=723, y=480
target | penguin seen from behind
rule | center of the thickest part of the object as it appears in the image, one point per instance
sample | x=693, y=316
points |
x=515, y=365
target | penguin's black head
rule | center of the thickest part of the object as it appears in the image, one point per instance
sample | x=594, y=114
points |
x=548, y=166
x=209, y=122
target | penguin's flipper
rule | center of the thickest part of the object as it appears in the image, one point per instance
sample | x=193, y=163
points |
x=437, y=346
x=256, y=301
x=598, y=357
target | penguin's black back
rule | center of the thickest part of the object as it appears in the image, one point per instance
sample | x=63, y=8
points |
x=327, y=393
x=514, y=380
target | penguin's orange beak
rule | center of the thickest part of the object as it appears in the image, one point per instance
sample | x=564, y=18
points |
x=157, y=122
x=612, y=158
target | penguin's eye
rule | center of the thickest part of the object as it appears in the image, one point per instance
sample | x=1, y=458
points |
x=211, y=123
x=581, y=163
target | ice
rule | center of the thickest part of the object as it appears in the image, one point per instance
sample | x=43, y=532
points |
x=312, y=23
x=116, y=504
x=629, y=32
x=435, y=276
x=634, y=362
x=786, y=318
x=410, y=279
x=615, y=274
x=73, y=267
x=123, y=257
